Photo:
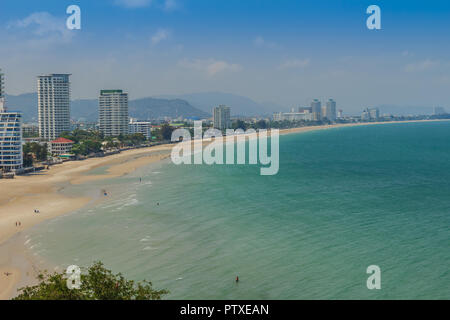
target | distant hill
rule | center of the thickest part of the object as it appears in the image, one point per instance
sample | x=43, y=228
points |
x=84, y=109
x=25, y=103
x=152, y=108
x=239, y=105
x=146, y=108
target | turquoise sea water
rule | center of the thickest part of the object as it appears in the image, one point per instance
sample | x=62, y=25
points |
x=344, y=199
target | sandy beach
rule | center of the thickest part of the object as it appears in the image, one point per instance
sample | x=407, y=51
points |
x=20, y=197
x=42, y=191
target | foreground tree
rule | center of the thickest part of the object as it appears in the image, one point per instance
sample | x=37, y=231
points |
x=98, y=283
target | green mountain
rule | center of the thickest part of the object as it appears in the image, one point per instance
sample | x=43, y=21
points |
x=239, y=105
x=152, y=108
x=87, y=109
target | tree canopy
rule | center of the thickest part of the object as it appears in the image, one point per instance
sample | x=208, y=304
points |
x=98, y=283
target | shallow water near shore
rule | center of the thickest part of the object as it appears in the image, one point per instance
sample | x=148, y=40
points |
x=344, y=199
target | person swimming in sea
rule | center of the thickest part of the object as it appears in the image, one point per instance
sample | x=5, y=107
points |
x=237, y=279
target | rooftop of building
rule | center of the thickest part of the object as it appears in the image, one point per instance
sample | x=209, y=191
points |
x=55, y=75
x=62, y=140
x=111, y=91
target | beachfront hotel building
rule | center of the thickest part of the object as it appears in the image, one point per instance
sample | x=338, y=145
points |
x=316, y=110
x=60, y=146
x=53, y=105
x=11, y=158
x=222, y=118
x=113, y=113
x=301, y=114
x=2, y=91
x=144, y=127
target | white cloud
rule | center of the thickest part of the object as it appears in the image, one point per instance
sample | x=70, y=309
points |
x=166, y=5
x=44, y=26
x=424, y=65
x=295, y=63
x=133, y=3
x=210, y=66
x=261, y=42
x=160, y=35
x=170, y=5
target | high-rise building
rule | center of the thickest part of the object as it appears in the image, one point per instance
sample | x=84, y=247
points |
x=374, y=113
x=10, y=141
x=53, y=105
x=113, y=112
x=11, y=157
x=222, y=117
x=330, y=110
x=340, y=113
x=316, y=110
x=2, y=91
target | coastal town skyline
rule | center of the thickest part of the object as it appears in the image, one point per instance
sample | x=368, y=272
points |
x=273, y=65
x=267, y=110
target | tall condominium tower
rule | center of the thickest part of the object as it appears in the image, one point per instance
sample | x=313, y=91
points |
x=53, y=105
x=2, y=92
x=316, y=109
x=222, y=117
x=113, y=112
x=10, y=136
x=330, y=111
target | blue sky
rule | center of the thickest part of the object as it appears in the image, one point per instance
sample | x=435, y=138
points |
x=287, y=52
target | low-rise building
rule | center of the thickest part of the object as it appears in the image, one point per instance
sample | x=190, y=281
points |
x=60, y=146
x=302, y=113
x=30, y=130
x=144, y=127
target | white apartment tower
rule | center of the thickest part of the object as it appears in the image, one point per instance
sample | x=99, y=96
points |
x=2, y=91
x=53, y=105
x=11, y=157
x=222, y=117
x=113, y=113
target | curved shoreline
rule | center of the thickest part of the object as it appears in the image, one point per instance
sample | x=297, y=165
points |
x=21, y=196
x=42, y=191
